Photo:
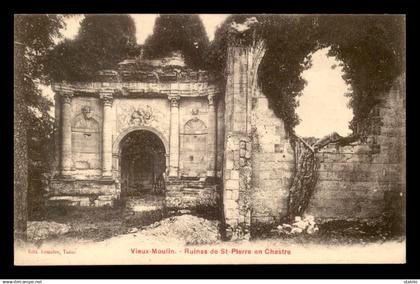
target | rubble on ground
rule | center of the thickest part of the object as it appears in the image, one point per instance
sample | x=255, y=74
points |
x=186, y=228
x=305, y=225
x=40, y=230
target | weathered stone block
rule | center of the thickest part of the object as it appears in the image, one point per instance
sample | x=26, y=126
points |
x=265, y=174
x=69, y=200
x=59, y=187
x=106, y=197
x=234, y=175
x=229, y=164
x=230, y=204
x=235, y=195
x=232, y=184
x=227, y=194
x=101, y=203
x=327, y=185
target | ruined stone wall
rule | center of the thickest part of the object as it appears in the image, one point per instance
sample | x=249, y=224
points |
x=236, y=164
x=273, y=163
x=220, y=136
x=82, y=193
x=192, y=195
x=259, y=158
x=361, y=180
x=365, y=179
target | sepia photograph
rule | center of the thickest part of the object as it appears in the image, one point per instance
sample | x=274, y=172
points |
x=209, y=139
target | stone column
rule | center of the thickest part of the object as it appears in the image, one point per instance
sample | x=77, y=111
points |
x=174, y=137
x=107, y=98
x=66, y=151
x=57, y=134
x=211, y=137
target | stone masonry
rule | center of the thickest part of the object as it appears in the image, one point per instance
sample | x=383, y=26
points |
x=362, y=180
x=228, y=152
x=164, y=98
x=366, y=179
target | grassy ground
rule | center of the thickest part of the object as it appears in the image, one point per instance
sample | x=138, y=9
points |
x=342, y=232
x=99, y=224
x=90, y=223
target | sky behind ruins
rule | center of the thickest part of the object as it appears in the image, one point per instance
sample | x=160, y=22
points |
x=323, y=107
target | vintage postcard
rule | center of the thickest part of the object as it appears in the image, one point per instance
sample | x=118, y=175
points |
x=209, y=139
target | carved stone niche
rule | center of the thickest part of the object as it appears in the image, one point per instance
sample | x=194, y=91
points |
x=193, y=149
x=85, y=121
x=86, y=132
x=195, y=126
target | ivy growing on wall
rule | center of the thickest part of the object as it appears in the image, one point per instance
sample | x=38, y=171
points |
x=370, y=48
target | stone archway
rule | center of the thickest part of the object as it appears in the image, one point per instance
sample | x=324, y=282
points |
x=140, y=157
x=116, y=148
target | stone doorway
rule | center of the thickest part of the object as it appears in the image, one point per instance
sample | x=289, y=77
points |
x=143, y=164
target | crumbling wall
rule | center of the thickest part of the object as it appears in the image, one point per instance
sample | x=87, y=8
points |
x=182, y=194
x=236, y=163
x=220, y=136
x=259, y=159
x=261, y=183
x=366, y=179
x=273, y=164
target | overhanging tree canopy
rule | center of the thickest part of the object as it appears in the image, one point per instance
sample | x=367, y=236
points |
x=102, y=42
x=371, y=49
x=178, y=32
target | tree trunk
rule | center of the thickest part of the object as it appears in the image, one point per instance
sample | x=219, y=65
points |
x=20, y=147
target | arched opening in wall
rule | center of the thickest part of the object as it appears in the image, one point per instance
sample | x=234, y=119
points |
x=324, y=105
x=143, y=163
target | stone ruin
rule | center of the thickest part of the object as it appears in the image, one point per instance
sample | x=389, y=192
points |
x=158, y=128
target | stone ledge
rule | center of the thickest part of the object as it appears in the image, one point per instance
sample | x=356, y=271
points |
x=82, y=200
x=58, y=187
x=181, y=196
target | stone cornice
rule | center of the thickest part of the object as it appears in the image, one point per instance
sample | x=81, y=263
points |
x=63, y=89
x=133, y=89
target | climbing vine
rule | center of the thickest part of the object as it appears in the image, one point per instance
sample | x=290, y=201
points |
x=304, y=179
x=370, y=49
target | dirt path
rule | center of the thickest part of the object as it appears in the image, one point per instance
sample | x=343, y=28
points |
x=189, y=239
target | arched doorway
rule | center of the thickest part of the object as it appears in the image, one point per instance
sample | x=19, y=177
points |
x=142, y=164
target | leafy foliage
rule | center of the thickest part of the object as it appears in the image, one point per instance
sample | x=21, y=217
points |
x=289, y=40
x=102, y=42
x=36, y=34
x=178, y=32
x=371, y=49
